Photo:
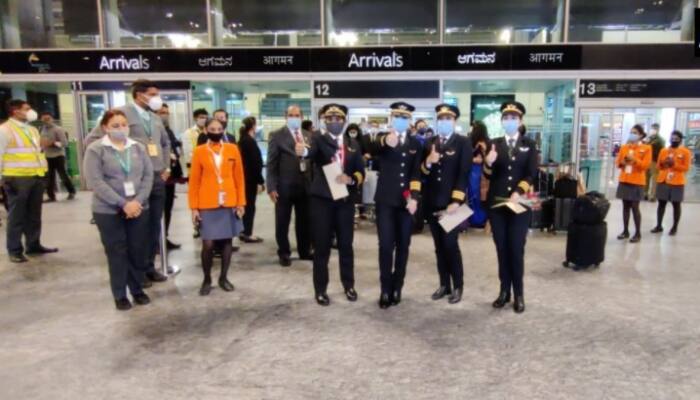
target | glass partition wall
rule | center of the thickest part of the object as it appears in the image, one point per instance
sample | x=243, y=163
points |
x=69, y=24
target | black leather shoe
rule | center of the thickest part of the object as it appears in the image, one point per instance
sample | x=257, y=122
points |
x=41, y=250
x=323, y=299
x=456, y=296
x=226, y=285
x=384, y=301
x=307, y=257
x=142, y=299
x=122, y=304
x=18, y=258
x=658, y=229
x=519, y=304
x=502, y=300
x=285, y=261
x=205, y=289
x=250, y=239
x=396, y=297
x=623, y=236
x=172, y=246
x=636, y=238
x=673, y=231
x=156, y=276
x=441, y=292
x=71, y=196
x=351, y=294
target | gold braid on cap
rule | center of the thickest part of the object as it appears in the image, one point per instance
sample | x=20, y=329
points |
x=446, y=110
x=334, y=110
x=512, y=108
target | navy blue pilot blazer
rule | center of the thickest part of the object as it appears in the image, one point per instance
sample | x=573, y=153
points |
x=323, y=149
x=399, y=170
x=446, y=181
x=513, y=170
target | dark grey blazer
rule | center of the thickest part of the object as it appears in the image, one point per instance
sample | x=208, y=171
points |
x=284, y=174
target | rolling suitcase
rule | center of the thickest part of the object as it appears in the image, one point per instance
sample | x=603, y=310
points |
x=562, y=213
x=585, y=245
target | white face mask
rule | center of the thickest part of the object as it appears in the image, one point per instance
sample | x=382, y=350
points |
x=155, y=103
x=32, y=116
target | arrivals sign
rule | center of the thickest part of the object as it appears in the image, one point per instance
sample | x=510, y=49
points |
x=364, y=59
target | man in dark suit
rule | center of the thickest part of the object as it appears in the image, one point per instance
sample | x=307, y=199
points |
x=334, y=217
x=288, y=177
x=176, y=174
x=396, y=199
x=446, y=167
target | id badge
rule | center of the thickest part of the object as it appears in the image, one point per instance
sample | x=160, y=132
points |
x=152, y=150
x=129, y=189
x=222, y=198
x=628, y=169
x=302, y=166
x=670, y=176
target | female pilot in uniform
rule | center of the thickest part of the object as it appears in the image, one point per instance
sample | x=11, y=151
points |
x=511, y=166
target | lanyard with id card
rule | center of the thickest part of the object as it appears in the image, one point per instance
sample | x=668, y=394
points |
x=628, y=167
x=125, y=163
x=217, y=159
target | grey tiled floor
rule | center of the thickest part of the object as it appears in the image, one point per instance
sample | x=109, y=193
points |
x=629, y=330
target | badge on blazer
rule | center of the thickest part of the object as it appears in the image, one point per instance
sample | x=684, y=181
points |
x=450, y=152
x=413, y=151
x=524, y=149
x=350, y=149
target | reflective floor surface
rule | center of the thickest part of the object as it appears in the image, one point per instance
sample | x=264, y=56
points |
x=629, y=330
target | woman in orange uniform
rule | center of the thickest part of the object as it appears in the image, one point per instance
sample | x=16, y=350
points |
x=217, y=200
x=633, y=160
x=673, y=163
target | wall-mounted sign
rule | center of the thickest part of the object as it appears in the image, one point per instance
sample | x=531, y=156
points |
x=364, y=59
x=661, y=88
x=376, y=89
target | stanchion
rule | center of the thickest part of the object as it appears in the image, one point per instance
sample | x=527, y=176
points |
x=164, y=267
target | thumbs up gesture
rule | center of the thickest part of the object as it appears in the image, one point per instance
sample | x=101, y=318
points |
x=434, y=156
x=392, y=139
x=299, y=149
x=491, y=156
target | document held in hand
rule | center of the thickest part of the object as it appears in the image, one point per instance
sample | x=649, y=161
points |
x=451, y=221
x=332, y=171
x=515, y=207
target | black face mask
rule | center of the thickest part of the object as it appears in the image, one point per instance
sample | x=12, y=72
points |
x=675, y=143
x=214, y=137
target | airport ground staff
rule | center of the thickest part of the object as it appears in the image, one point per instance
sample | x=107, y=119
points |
x=673, y=163
x=120, y=174
x=633, y=160
x=446, y=168
x=23, y=168
x=396, y=200
x=511, y=167
x=191, y=136
x=334, y=217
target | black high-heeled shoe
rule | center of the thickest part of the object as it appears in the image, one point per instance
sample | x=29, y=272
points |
x=226, y=285
x=519, y=304
x=502, y=300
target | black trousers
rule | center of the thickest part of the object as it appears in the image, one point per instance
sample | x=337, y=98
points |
x=251, y=195
x=156, y=207
x=449, y=257
x=297, y=200
x=510, y=234
x=394, y=228
x=125, y=243
x=58, y=165
x=333, y=218
x=24, y=198
x=168, y=207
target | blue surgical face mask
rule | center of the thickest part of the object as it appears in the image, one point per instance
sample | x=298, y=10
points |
x=293, y=123
x=400, y=124
x=511, y=126
x=421, y=131
x=119, y=134
x=445, y=127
